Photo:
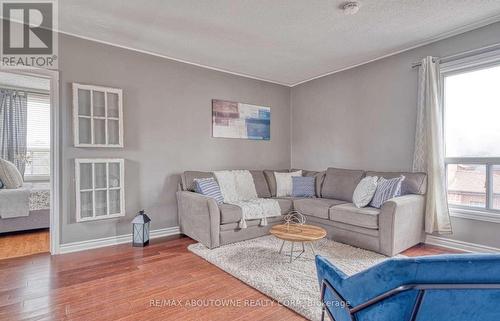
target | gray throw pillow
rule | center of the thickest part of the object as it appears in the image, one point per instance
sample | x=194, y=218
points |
x=365, y=191
x=10, y=175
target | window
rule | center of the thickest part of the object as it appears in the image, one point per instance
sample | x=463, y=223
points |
x=467, y=185
x=38, y=137
x=496, y=187
x=99, y=189
x=472, y=134
x=98, y=120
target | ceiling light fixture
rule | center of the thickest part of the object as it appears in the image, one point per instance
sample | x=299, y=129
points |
x=351, y=8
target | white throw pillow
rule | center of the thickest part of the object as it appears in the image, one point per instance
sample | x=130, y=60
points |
x=284, y=185
x=364, y=192
x=245, y=185
x=10, y=175
x=236, y=185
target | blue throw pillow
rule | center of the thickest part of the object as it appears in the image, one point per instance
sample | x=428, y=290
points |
x=1, y=184
x=303, y=186
x=386, y=189
x=210, y=188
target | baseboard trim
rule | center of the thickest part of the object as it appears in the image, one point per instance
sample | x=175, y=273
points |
x=113, y=240
x=459, y=245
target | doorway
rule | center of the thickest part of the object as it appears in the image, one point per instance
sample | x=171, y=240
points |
x=29, y=202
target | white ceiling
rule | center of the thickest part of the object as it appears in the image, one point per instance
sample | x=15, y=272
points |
x=283, y=41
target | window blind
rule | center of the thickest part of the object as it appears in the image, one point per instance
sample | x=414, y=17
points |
x=38, y=136
x=38, y=121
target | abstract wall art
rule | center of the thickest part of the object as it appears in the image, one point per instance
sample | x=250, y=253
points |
x=239, y=120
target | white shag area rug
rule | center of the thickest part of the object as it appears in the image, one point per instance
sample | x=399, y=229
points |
x=295, y=285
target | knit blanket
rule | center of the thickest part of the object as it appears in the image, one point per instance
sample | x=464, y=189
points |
x=238, y=188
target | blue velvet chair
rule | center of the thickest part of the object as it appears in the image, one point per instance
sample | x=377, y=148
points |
x=461, y=287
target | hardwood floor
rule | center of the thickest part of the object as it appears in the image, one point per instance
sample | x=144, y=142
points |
x=425, y=249
x=126, y=283
x=24, y=243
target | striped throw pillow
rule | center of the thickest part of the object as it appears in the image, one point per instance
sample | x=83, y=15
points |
x=303, y=186
x=208, y=187
x=386, y=189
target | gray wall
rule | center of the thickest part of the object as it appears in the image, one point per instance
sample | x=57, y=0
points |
x=365, y=118
x=167, y=125
x=359, y=118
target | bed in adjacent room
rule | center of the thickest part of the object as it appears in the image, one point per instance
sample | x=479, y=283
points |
x=25, y=208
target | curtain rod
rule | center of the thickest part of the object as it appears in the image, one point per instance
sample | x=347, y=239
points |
x=463, y=54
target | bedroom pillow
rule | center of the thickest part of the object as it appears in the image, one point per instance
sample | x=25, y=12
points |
x=10, y=175
x=386, y=189
x=208, y=187
x=284, y=185
x=364, y=192
x=303, y=186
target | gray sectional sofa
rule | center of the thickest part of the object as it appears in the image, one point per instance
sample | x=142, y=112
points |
x=395, y=227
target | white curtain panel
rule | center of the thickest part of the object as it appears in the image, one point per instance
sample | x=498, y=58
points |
x=429, y=148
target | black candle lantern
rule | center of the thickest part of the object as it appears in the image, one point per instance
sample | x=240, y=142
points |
x=140, y=229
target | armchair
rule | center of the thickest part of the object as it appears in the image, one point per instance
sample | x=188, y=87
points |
x=459, y=287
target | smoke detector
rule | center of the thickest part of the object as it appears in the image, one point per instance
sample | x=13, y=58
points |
x=351, y=8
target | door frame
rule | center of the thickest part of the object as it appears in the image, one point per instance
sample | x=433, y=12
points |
x=55, y=150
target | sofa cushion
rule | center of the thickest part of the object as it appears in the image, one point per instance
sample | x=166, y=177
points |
x=260, y=184
x=317, y=207
x=286, y=204
x=340, y=183
x=366, y=217
x=414, y=183
x=271, y=180
x=231, y=213
x=188, y=178
x=336, y=226
x=320, y=178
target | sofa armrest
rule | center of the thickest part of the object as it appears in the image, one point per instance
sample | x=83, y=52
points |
x=199, y=217
x=401, y=223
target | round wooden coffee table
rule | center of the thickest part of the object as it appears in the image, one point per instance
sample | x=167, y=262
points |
x=297, y=233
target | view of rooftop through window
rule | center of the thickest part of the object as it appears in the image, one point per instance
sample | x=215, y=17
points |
x=472, y=131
